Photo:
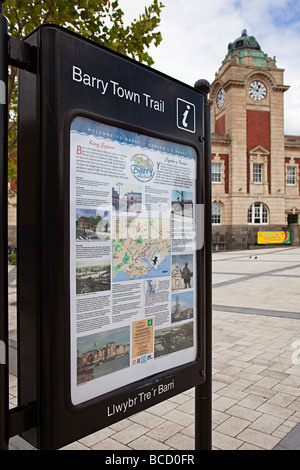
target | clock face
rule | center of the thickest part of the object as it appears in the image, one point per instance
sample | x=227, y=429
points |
x=220, y=98
x=257, y=90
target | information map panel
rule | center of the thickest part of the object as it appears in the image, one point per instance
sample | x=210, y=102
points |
x=132, y=227
x=113, y=238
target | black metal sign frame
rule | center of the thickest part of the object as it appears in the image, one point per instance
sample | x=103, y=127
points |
x=71, y=79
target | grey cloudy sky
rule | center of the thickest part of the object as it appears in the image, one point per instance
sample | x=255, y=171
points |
x=196, y=34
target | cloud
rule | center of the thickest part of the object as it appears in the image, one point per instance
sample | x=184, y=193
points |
x=196, y=35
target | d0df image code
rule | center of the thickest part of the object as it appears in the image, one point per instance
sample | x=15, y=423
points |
x=168, y=459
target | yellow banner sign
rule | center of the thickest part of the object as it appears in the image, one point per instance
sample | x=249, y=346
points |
x=266, y=238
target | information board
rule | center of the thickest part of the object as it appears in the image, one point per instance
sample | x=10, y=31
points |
x=112, y=248
x=132, y=204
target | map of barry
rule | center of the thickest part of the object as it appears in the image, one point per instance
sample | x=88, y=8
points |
x=141, y=248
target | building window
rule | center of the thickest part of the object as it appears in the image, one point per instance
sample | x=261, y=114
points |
x=239, y=44
x=216, y=172
x=257, y=172
x=291, y=175
x=218, y=246
x=216, y=213
x=292, y=219
x=258, y=214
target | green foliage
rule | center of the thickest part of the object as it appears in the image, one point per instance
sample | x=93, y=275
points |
x=12, y=259
x=96, y=221
x=99, y=20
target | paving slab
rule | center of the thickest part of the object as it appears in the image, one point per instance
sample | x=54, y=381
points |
x=256, y=366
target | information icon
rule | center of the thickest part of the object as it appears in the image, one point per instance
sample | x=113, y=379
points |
x=186, y=115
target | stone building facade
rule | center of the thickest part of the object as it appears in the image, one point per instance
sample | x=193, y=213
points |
x=255, y=167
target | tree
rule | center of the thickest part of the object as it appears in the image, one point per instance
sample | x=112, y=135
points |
x=99, y=20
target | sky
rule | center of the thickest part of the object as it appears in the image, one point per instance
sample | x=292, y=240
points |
x=196, y=34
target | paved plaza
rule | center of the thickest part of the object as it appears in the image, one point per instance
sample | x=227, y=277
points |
x=256, y=365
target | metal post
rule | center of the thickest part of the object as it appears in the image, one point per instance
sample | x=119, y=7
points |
x=203, y=393
x=4, y=416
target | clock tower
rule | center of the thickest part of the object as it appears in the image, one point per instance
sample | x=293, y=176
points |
x=249, y=161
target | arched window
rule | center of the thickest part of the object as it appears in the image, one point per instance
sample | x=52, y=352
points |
x=216, y=213
x=258, y=214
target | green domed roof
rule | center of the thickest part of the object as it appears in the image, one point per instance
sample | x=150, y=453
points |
x=243, y=42
x=247, y=46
